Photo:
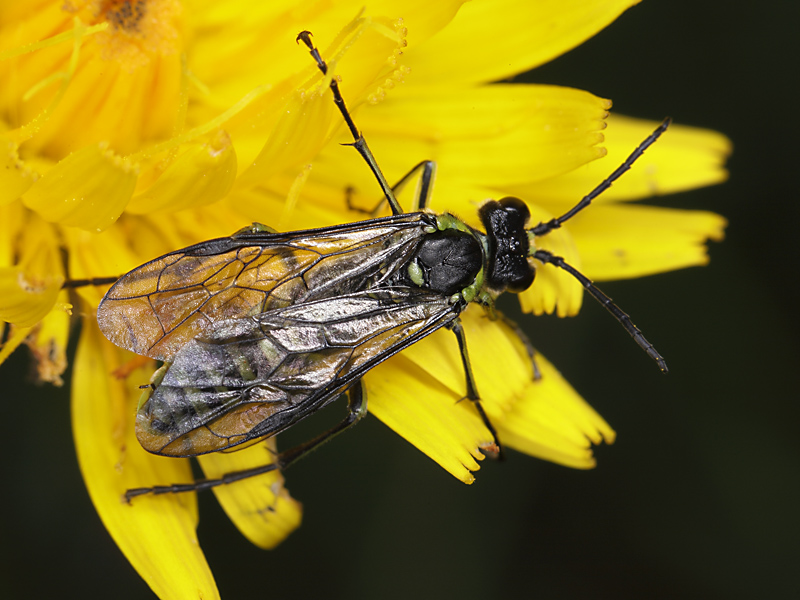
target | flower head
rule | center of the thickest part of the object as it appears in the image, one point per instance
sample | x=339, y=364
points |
x=135, y=128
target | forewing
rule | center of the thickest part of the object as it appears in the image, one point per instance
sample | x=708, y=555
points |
x=157, y=308
x=254, y=377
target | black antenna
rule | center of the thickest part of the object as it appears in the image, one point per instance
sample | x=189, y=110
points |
x=557, y=261
x=597, y=294
x=543, y=228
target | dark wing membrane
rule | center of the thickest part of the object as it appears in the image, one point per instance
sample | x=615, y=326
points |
x=254, y=377
x=157, y=308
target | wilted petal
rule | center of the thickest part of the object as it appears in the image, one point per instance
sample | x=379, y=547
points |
x=48, y=342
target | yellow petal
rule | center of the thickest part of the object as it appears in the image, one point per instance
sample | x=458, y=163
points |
x=112, y=252
x=24, y=301
x=30, y=288
x=202, y=175
x=16, y=336
x=501, y=372
x=683, y=158
x=624, y=241
x=309, y=116
x=122, y=82
x=551, y=421
x=156, y=533
x=428, y=414
x=15, y=175
x=421, y=393
x=88, y=189
x=260, y=507
x=554, y=290
x=297, y=137
x=491, y=135
x=489, y=41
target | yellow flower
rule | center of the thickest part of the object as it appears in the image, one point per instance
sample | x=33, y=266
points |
x=135, y=128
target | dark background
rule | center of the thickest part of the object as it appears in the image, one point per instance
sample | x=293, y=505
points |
x=698, y=498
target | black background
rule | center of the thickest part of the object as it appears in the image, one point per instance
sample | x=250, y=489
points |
x=697, y=499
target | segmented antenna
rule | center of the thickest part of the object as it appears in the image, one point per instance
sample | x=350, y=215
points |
x=359, y=143
x=557, y=261
x=543, y=228
x=616, y=311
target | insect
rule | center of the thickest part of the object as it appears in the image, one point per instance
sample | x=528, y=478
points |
x=261, y=329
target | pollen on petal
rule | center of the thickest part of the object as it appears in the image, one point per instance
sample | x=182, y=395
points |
x=202, y=175
x=88, y=189
x=15, y=175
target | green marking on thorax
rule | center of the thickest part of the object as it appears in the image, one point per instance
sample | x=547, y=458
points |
x=415, y=273
x=255, y=228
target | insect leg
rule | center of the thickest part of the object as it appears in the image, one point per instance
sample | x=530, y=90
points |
x=526, y=341
x=360, y=144
x=619, y=315
x=552, y=224
x=421, y=197
x=357, y=409
x=98, y=281
x=472, y=390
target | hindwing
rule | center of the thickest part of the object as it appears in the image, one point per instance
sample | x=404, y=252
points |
x=247, y=378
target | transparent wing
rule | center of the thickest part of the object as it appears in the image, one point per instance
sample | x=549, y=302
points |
x=253, y=377
x=157, y=308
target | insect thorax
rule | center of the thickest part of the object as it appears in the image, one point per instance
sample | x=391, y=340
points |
x=446, y=262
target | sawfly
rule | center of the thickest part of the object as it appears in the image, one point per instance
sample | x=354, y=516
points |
x=258, y=330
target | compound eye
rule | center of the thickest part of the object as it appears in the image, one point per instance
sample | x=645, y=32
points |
x=522, y=282
x=512, y=205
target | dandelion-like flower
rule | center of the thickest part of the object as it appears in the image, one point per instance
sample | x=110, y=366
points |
x=137, y=127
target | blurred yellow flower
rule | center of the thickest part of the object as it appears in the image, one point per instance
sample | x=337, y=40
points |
x=133, y=128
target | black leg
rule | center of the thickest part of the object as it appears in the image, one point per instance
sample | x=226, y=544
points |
x=616, y=311
x=526, y=341
x=357, y=409
x=421, y=197
x=472, y=390
x=360, y=144
x=98, y=281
